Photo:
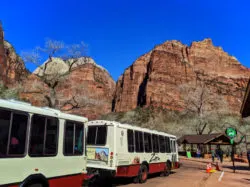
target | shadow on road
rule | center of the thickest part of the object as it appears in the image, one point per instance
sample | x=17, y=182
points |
x=238, y=168
x=114, y=182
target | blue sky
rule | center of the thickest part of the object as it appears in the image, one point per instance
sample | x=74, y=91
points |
x=119, y=31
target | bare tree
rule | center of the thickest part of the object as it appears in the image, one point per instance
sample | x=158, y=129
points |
x=203, y=104
x=61, y=60
x=80, y=98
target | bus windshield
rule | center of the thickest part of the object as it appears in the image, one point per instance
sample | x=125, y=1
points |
x=97, y=135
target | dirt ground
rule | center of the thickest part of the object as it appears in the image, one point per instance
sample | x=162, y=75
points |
x=192, y=173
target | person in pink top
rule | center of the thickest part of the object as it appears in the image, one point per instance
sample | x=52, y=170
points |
x=14, y=141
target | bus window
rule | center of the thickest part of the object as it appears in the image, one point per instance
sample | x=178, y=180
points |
x=174, y=146
x=12, y=135
x=18, y=134
x=97, y=135
x=51, y=136
x=138, y=142
x=69, y=138
x=167, y=145
x=131, y=142
x=101, y=135
x=155, y=143
x=73, y=139
x=43, y=136
x=162, y=144
x=148, y=142
x=173, y=149
x=91, y=135
x=4, y=131
x=78, y=150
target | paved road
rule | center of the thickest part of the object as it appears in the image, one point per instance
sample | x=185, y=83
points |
x=192, y=174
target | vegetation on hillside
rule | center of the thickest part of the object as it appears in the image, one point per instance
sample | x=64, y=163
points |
x=178, y=123
x=8, y=93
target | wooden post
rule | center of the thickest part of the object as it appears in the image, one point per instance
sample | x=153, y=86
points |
x=185, y=147
x=232, y=156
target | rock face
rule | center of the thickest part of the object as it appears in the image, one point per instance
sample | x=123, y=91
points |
x=2, y=52
x=12, y=68
x=87, y=90
x=154, y=79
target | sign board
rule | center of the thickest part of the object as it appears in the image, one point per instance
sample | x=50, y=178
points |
x=231, y=132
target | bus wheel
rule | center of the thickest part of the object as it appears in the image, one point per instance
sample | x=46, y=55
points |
x=143, y=174
x=168, y=169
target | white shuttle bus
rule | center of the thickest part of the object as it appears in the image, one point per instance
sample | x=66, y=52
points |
x=40, y=147
x=121, y=150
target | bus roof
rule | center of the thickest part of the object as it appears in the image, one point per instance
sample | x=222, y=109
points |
x=127, y=126
x=27, y=107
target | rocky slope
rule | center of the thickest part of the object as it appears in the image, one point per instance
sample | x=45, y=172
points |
x=87, y=90
x=12, y=68
x=154, y=79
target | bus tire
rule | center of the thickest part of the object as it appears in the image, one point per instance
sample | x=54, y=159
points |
x=143, y=174
x=35, y=185
x=168, y=169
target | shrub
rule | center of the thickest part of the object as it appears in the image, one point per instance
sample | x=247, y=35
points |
x=6, y=93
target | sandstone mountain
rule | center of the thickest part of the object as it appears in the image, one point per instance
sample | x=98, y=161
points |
x=154, y=78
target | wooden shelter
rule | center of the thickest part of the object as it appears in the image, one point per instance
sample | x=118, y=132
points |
x=203, y=141
x=245, y=107
x=245, y=112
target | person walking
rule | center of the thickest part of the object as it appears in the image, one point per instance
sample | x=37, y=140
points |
x=198, y=152
x=213, y=155
x=220, y=154
x=248, y=157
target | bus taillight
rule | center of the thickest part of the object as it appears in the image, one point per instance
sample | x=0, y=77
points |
x=111, y=155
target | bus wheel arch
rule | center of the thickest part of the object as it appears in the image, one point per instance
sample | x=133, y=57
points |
x=36, y=180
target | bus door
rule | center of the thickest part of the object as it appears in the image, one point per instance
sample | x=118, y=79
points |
x=173, y=152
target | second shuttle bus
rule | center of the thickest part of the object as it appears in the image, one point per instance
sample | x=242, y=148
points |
x=122, y=150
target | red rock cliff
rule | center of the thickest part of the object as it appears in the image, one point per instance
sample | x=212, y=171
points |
x=2, y=52
x=154, y=78
x=12, y=68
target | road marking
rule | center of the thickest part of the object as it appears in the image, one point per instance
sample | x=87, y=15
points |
x=221, y=176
